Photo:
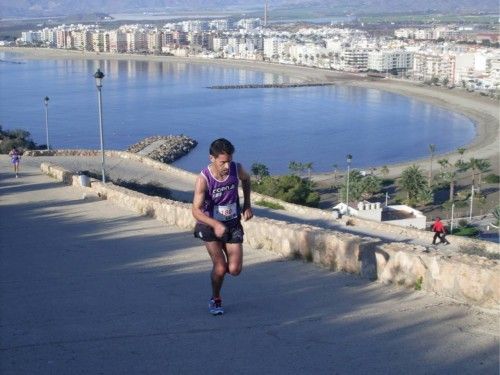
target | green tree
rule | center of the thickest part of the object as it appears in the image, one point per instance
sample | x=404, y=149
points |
x=259, y=171
x=291, y=189
x=496, y=215
x=370, y=185
x=355, y=186
x=18, y=138
x=413, y=182
x=360, y=187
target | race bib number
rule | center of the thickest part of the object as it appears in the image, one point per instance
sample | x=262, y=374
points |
x=225, y=213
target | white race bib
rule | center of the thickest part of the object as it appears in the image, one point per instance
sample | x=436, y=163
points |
x=225, y=213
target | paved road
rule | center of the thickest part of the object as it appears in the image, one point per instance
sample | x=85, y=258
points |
x=182, y=189
x=90, y=288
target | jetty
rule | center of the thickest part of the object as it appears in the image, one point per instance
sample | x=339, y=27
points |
x=269, y=85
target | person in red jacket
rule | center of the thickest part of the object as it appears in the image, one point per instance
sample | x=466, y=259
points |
x=439, y=232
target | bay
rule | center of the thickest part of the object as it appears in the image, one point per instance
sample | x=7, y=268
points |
x=270, y=126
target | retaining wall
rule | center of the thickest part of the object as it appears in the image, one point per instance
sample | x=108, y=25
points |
x=470, y=279
x=382, y=227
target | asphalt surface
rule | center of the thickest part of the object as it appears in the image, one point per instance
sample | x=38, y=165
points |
x=87, y=287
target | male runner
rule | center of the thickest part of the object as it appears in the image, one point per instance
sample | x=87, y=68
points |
x=216, y=208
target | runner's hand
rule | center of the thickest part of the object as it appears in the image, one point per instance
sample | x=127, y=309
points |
x=219, y=230
x=247, y=213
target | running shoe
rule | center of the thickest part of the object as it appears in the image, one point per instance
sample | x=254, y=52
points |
x=215, y=306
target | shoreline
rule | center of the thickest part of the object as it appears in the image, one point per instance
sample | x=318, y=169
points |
x=482, y=111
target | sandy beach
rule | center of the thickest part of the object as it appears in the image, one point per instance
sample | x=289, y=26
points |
x=483, y=112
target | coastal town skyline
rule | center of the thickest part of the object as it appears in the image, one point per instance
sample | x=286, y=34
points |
x=447, y=54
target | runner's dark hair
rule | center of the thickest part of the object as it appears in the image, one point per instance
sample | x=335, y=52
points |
x=221, y=146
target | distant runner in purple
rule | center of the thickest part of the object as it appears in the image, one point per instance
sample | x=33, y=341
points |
x=216, y=208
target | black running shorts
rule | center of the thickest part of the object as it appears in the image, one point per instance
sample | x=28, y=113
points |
x=233, y=234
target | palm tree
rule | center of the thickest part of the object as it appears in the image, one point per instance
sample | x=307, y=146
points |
x=385, y=171
x=309, y=167
x=478, y=165
x=448, y=175
x=413, y=181
x=432, y=150
x=259, y=170
x=295, y=167
x=481, y=165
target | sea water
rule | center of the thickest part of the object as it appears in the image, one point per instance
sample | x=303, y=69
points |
x=273, y=126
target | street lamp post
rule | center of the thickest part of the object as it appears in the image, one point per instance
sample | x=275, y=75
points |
x=98, y=82
x=349, y=159
x=452, y=216
x=471, y=201
x=46, y=101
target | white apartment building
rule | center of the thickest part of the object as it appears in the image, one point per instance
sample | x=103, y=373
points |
x=49, y=36
x=464, y=67
x=99, y=43
x=31, y=36
x=386, y=60
x=154, y=40
x=219, y=25
x=354, y=59
x=117, y=41
x=424, y=34
x=196, y=26
x=272, y=47
x=426, y=66
x=405, y=33
x=78, y=40
x=233, y=45
x=136, y=41
x=446, y=33
x=334, y=45
x=493, y=70
x=219, y=43
x=167, y=38
x=248, y=24
x=62, y=38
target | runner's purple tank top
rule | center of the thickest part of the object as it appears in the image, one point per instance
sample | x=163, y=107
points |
x=221, y=198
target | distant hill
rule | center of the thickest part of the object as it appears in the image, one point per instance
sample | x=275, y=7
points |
x=39, y=8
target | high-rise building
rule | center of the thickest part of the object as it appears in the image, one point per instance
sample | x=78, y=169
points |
x=117, y=41
x=390, y=60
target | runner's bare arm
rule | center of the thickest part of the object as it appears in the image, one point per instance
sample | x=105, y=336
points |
x=198, y=199
x=247, y=212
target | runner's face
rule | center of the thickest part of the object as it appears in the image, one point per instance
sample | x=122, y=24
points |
x=221, y=164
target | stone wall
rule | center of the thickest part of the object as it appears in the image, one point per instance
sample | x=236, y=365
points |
x=469, y=279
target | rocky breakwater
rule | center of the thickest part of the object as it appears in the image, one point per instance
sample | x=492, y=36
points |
x=165, y=149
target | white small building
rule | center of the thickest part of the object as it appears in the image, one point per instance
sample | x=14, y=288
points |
x=401, y=215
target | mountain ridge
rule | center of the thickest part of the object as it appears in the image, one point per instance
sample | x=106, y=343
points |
x=39, y=8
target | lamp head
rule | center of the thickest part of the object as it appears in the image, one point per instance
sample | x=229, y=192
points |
x=98, y=78
x=46, y=100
